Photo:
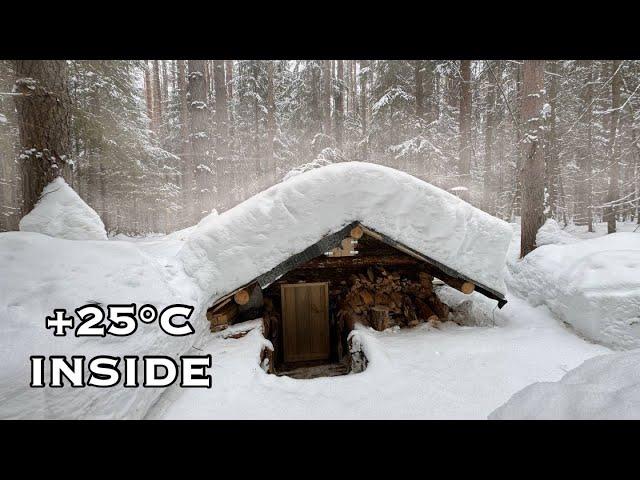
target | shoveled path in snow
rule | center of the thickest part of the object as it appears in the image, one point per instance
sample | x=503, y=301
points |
x=446, y=373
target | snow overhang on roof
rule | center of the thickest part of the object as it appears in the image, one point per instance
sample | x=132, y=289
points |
x=250, y=241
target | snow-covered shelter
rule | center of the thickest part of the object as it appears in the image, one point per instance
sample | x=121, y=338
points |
x=345, y=243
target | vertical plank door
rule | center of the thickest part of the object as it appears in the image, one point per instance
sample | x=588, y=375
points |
x=305, y=321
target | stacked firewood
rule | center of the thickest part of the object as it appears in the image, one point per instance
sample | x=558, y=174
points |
x=382, y=299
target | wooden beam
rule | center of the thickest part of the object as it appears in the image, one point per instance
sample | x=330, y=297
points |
x=358, y=261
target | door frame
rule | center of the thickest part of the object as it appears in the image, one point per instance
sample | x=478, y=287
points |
x=328, y=326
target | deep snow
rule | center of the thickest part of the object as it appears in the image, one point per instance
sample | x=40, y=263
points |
x=449, y=372
x=605, y=387
x=227, y=251
x=593, y=284
x=464, y=370
x=61, y=213
x=39, y=273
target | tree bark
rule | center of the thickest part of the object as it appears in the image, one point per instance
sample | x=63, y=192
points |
x=465, y=128
x=271, y=113
x=488, y=203
x=148, y=93
x=326, y=79
x=44, y=123
x=157, y=97
x=340, y=103
x=199, y=138
x=552, y=159
x=533, y=170
x=222, y=109
x=419, y=92
x=613, y=193
x=364, y=75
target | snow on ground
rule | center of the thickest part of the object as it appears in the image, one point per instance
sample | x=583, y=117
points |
x=593, y=285
x=250, y=239
x=39, y=273
x=61, y=213
x=605, y=387
x=425, y=372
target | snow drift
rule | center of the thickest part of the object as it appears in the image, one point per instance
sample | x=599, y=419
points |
x=604, y=387
x=593, y=285
x=40, y=273
x=61, y=213
x=242, y=243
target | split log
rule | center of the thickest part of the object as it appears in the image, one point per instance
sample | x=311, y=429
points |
x=425, y=312
x=379, y=318
x=439, y=308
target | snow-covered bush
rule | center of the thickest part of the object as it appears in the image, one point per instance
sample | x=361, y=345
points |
x=593, y=285
x=61, y=213
x=604, y=387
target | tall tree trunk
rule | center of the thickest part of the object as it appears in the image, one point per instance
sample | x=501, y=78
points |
x=488, y=194
x=148, y=93
x=165, y=81
x=533, y=168
x=585, y=161
x=44, y=123
x=184, y=113
x=157, y=97
x=222, y=109
x=271, y=114
x=326, y=101
x=205, y=183
x=552, y=161
x=364, y=75
x=419, y=92
x=465, y=129
x=613, y=192
x=340, y=103
x=228, y=69
x=315, y=96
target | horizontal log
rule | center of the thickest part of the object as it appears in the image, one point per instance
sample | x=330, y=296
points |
x=359, y=261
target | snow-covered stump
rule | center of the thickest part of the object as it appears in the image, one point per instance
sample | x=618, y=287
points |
x=358, y=359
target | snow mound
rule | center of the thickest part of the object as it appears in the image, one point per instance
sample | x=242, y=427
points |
x=61, y=213
x=552, y=234
x=33, y=282
x=227, y=251
x=594, y=286
x=604, y=387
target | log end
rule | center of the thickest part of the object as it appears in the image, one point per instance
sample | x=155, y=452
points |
x=241, y=297
x=357, y=232
x=467, y=288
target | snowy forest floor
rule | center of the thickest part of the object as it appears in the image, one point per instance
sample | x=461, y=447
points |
x=448, y=372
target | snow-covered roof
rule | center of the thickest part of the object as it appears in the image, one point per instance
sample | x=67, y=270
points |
x=228, y=251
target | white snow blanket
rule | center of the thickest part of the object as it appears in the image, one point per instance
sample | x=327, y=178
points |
x=448, y=372
x=61, y=213
x=39, y=273
x=604, y=387
x=593, y=285
x=552, y=234
x=226, y=252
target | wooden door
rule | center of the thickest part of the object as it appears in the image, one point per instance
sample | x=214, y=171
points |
x=305, y=321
